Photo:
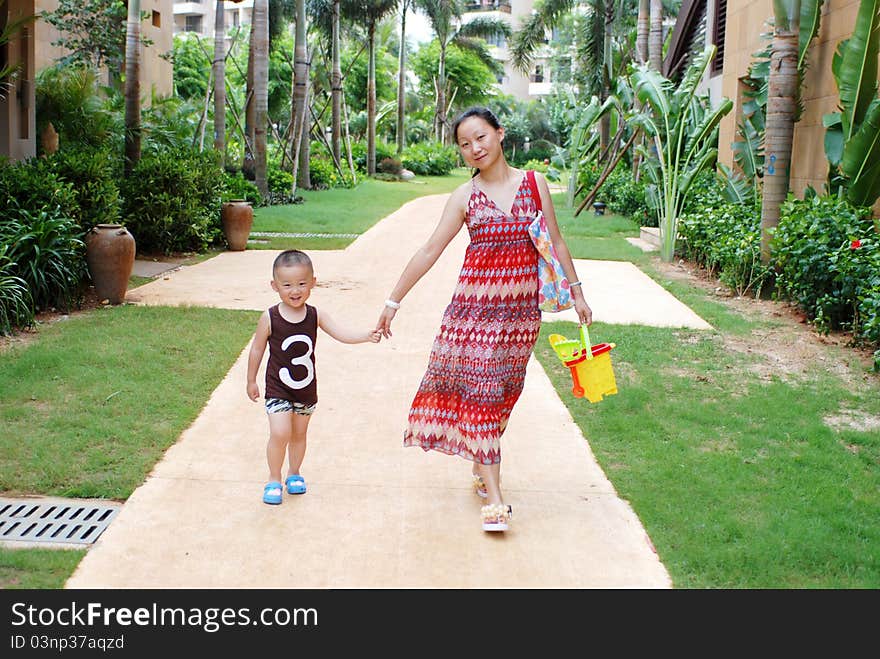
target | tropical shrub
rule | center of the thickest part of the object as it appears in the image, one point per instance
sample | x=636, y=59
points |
x=92, y=174
x=726, y=240
x=44, y=249
x=236, y=186
x=389, y=166
x=826, y=256
x=359, y=153
x=172, y=201
x=536, y=165
x=33, y=184
x=429, y=159
x=16, y=306
x=67, y=96
x=323, y=174
x=626, y=197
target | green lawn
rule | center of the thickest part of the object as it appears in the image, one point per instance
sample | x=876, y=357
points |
x=728, y=461
x=726, y=457
x=343, y=211
x=91, y=405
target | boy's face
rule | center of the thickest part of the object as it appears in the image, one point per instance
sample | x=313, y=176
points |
x=294, y=284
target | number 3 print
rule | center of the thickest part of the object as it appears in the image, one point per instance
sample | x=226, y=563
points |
x=304, y=360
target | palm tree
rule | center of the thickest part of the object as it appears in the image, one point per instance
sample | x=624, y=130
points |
x=782, y=106
x=132, y=87
x=655, y=35
x=642, y=30
x=220, y=81
x=445, y=17
x=370, y=13
x=300, y=116
x=595, y=36
x=335, y=86
x=401, y=79
x=261, y=91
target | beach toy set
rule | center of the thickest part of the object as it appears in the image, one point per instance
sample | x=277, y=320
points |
x=592, y=374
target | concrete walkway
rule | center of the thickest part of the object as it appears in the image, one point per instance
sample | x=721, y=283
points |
x=377, y=515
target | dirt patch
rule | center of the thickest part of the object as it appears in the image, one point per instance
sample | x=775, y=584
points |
x=847, y=419
x=23, y=337
x=788, y=347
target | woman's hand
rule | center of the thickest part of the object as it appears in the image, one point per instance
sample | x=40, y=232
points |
x=384, y=324
x=585, y=314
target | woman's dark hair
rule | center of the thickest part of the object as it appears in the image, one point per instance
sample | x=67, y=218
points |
x=483, y=113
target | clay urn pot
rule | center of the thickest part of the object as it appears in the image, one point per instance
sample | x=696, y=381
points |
x=237, y=217
x=110, y=251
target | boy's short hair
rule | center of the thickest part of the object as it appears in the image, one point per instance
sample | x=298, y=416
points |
x=292, y=257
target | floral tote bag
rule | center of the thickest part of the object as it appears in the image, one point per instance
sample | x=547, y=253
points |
x=554, y=292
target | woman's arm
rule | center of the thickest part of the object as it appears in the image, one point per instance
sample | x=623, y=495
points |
x=585, y=314
x=426, y=256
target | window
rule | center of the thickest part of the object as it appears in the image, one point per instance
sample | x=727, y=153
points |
x=193, y=24
x=497, y=40
x=157, y=19
x=718, y=37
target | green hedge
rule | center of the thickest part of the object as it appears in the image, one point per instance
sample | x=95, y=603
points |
x=172, y=201
x=828, y=261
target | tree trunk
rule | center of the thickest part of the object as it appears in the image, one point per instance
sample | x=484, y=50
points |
x=261, y=93
x=132, y=86
x=401, y=81
x=220, y=82
x=336, y=88
x=440, y=114
x=305, y=147
x=371, y=102
x=301, y=91
x=642, y=29
x=607, y=64
x=655, y=36
x=782, y=97
x=247, y=164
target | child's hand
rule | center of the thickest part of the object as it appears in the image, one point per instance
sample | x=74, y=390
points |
x=374, y=336
x=253, y=391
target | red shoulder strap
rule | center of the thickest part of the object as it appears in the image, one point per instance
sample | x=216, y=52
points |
x=536, y=195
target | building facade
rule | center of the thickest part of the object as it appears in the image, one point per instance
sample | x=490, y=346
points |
x=746, y=21
x=197, y=16
x=536, y=83
x=32, y=50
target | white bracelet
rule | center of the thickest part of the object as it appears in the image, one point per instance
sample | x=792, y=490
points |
x=577, y=283
x=391, y=304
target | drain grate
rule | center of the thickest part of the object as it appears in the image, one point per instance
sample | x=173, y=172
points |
x=56, y=521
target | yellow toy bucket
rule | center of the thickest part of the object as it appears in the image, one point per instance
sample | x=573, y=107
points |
x=591, y=370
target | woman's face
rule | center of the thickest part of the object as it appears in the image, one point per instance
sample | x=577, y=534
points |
x=479, y=142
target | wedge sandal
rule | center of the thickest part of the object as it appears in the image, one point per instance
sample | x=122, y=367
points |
x=496, y=517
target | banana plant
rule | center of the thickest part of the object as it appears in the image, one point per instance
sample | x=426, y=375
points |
x=682, y=136
x=584, y=142
x=852, y=138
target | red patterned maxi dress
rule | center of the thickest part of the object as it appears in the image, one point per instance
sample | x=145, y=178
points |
x=478, y=361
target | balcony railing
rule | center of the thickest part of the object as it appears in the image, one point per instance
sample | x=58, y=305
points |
x=487, y=5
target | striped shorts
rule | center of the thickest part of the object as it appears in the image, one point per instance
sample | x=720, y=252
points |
x=277, y=405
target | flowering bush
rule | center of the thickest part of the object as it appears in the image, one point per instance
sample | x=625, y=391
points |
x=826, y=255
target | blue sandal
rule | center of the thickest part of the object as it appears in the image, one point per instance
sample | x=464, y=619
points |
x=296, y=484
x=270, y=496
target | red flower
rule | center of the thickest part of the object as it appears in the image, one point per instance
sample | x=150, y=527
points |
x=855, y=244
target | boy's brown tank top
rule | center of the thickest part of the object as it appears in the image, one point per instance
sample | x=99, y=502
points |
x=290, y=371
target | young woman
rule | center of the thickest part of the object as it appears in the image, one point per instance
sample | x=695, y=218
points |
x=478, y=360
